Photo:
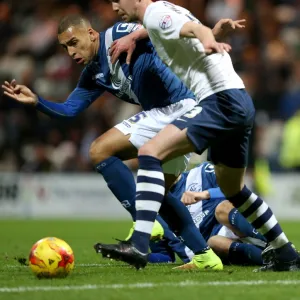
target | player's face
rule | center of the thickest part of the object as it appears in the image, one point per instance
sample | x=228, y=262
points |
x=120, y=12
x=126, y=9
x=79, y=43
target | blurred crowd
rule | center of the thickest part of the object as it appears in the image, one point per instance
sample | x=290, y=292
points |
x=266, y=55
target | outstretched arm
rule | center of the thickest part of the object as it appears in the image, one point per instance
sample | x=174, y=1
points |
x=78, y=100
x=205, y=36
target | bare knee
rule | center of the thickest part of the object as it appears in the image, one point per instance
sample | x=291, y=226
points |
x=148, y=149
x=222, y=211
x=98, y=152
x=112, y=143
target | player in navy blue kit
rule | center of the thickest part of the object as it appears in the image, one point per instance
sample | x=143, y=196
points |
x=146, y=82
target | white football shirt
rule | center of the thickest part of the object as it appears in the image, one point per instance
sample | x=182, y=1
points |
x=203, y=74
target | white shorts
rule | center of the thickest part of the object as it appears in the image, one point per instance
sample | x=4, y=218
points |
x=226, y=232
x=145, y=125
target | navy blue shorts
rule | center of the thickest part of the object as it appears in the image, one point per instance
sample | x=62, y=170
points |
x=221, y=123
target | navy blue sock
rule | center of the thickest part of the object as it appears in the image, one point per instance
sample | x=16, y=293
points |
x=170, y=243
x=150, y=191
x=258, y=213
x=243, y=226
x=180, y=221
x=120, y=181
x=158, y=258
x=244, y=254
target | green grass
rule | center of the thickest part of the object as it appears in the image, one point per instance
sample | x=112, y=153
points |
x=17, y=237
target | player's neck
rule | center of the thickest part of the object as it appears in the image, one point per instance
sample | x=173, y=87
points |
x=141, y=9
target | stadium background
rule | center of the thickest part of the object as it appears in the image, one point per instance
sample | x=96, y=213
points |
x=44, y=163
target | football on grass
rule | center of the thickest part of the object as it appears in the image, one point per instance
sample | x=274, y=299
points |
x=51, y=258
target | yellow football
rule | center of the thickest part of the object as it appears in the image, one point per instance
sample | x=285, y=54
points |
x=51, y=258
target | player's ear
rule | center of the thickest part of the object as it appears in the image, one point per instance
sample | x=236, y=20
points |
x=92, y=34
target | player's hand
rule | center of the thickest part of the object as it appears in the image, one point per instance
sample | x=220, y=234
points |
x=215, y=47
x=20, y=93
x=188, y=198
x=125, y=44
x=226, y=26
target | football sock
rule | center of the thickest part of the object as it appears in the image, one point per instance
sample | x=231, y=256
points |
x=244, y=254
x=172, y=243
x=120, y=181
x=159, y=258
x=258, y=213
x=176, y=214
x=150, y=193
x=243, y=226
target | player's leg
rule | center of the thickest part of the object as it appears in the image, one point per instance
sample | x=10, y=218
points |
x=230, y=159
x=150, y=179
x=235, y=252
x=179, y=219
x=170, y=142
x=150, y=194
x=165, y=249
x=107, y=154
x=259, y=214
x=227, y=215
x=120, y=143
x=155, y=121
x=145, y=125
x=174, y=140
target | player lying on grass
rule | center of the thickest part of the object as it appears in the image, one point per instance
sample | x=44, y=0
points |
x=226, y=231
x=134, y=84
x=221, y=225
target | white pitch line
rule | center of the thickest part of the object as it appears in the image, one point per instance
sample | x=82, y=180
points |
x=76, y=265
x=143, y=285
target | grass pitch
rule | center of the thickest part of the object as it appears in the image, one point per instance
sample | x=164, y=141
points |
x=96, y=278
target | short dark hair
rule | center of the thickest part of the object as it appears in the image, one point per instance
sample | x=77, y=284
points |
x=72, y=21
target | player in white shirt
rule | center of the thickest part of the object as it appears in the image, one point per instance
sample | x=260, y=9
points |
x=222, y=122
x=203, y=74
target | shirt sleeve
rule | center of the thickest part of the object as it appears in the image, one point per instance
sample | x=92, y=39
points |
x=84, y=94
x=167, y=24
x=122, y=29
x=216, y=194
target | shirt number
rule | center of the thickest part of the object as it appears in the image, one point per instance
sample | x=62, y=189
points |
x=193, y=113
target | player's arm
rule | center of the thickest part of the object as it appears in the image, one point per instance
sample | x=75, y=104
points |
x=220, y=30
x=173, y=25
x=77, y=101
x=189, y=197
x=205, y=36
x=128, y=43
